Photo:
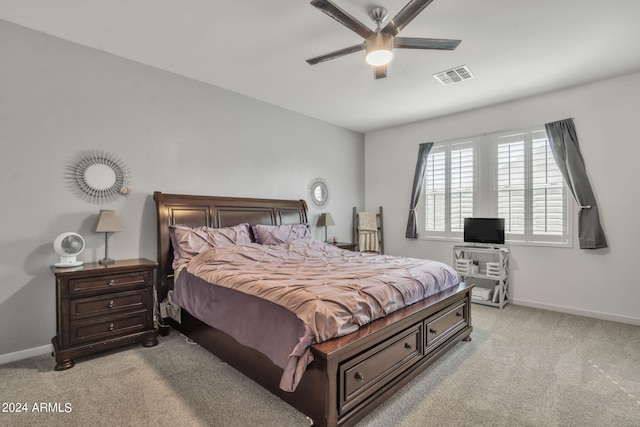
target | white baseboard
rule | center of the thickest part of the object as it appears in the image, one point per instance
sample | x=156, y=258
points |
x=577, y=312
x=25, y=354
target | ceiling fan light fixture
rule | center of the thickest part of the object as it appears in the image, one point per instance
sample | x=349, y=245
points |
x=379, y=51
x=379, y=44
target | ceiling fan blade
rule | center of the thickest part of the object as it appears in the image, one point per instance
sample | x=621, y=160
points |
x=420, y=43
x=342, y=17
x=336, y=54
x=406, y=15
x=380, y=72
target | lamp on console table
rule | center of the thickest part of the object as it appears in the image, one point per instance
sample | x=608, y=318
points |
x=325, y=220
x=107, y=223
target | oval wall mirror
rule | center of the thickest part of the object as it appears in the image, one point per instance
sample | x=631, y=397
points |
x=99, y=176
x=318, y=192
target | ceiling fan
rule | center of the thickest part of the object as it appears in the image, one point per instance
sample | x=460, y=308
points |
x=379, y=44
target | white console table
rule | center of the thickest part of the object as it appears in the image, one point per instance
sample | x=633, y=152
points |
x=497, y=279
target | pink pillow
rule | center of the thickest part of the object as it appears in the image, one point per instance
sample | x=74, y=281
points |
x=273, y=234
x=189, y=242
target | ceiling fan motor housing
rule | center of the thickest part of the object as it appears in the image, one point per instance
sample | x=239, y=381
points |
x=378, y=14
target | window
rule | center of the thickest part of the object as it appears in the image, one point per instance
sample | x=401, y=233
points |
x=449, y=188
x=508, y=175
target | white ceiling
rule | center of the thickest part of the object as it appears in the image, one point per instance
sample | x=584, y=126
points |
x=515, y=48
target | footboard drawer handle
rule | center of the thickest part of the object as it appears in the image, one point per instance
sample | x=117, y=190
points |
x=112, y=327
x=408, y=346
x=433, y=331
x=359, y=376
x=458, y=314
x=111, y=304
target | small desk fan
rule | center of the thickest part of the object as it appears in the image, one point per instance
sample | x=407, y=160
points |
x=68, y=246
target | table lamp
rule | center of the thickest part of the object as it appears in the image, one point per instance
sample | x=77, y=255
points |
x=325, y=220
x=107, y=223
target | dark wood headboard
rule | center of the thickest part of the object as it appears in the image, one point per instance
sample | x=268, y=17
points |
x=214, y=212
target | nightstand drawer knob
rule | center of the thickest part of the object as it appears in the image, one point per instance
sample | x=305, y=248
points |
x=112, y=327
x=112, y=282
x=433, y=331
x=111, y=304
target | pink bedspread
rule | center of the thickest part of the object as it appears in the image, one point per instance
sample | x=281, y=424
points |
x=332, y=291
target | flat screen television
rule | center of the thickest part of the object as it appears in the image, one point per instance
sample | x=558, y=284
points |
x=489, y=231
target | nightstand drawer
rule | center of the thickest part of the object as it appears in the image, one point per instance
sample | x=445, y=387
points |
x=108, y=304
x=84, y=331
x=108, y=282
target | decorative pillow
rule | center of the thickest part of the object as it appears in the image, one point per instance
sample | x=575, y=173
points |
x=186, y=244
x=273, y=234
x=189, y=242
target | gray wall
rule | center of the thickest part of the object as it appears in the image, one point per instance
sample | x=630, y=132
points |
x=598, y=283
x=176, y=135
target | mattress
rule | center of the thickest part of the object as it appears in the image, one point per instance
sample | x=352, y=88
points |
x=281, y=299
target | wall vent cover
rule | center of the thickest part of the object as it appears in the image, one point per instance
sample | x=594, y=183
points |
x=454, y=75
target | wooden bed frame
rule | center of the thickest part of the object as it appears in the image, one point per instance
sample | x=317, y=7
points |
x=350, y=375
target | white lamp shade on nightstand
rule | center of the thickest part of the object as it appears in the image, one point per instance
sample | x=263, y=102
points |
x=107, y=223
x=325, y=220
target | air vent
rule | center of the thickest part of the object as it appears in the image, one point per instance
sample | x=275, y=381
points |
x=454, y=75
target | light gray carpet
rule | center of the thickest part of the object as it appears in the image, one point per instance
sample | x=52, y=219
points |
x=524, y=367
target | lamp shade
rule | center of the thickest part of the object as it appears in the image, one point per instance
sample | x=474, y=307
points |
x=324, y=220
x=107, y=222
x=379, y=49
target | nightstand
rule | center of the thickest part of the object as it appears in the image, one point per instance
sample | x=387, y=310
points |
x=347, y=246
x=102, y=307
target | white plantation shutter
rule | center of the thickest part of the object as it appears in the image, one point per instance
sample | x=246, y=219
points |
x=547, y=186
x=461, y=185
x=511, y=183
x=449, y=188
x=530, y=190
x=435, y=187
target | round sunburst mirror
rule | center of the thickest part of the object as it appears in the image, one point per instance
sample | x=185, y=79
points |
x=319, y=192
x=99, y=177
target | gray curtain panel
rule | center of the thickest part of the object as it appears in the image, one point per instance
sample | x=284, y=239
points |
x=566, y=151
x=418, y=178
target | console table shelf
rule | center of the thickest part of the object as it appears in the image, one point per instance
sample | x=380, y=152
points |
x=471, y=263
